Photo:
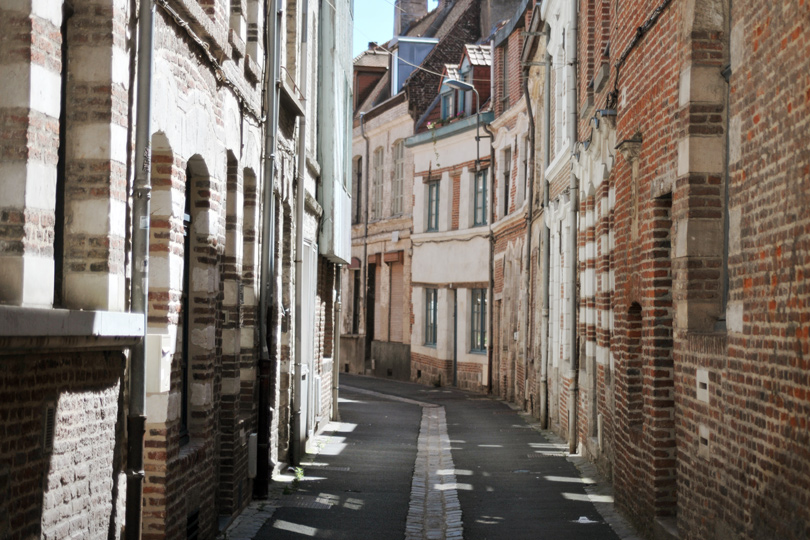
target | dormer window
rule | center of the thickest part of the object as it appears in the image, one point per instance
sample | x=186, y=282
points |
x=409, y=52
x=447, y=105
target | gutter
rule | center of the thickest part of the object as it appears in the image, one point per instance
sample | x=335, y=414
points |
x=298, y=423
x=141, y=196
x=267, y=286
x=450, y=130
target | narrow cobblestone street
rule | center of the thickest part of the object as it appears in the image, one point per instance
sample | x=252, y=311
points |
x=415, y=462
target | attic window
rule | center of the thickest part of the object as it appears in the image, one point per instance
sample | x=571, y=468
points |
x=409, y=54
x=447, y=105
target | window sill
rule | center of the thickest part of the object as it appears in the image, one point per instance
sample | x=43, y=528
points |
x=24, y=329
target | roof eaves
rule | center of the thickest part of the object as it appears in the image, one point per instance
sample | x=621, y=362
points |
x=516, y=21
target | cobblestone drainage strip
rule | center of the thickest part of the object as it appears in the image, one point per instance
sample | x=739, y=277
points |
x=434, y=512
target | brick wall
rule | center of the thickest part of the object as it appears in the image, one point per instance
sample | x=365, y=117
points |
x=694, y=440
x=72, y=487
x=429, y=370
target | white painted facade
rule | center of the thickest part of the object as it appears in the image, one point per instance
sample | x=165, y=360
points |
x=453, y=261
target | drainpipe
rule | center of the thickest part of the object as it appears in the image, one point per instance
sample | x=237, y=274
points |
x=142, y=193
x=455, y=336
x=571, y=99
x=726, y=73
x=336, y=346
x=268, y=271
x=530, y=179
x=546, y=235
x=367, y=342
x=491, y=292
x=298, y=380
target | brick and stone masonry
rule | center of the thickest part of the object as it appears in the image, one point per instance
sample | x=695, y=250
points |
x=707, y=342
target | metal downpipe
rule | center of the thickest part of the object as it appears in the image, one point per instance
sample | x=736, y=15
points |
x=571, y=97
x=142, y=194
x=298, y=423
x=367, y=342
x=335, y=417
x=267, y=273
x=546, y=236
x=491, y=291
x=529, y=213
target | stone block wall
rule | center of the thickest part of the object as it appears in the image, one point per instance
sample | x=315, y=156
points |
x=30, y=107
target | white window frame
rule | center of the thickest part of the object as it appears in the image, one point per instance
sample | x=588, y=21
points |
x=399, y=178
x=377, y=203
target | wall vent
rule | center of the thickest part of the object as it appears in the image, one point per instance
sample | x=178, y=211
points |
x=49, y=428
x=704, y=438
x=702, y=390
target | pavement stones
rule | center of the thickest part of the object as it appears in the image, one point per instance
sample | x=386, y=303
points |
x=515, y=482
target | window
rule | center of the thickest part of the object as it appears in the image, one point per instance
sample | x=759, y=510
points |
x=480, y=198
x=507, y=176
x=460, y=109
x=467, y=77
x=433, y=206
x=478, y=320
x=399, y=173
x=410, y=52
x=447, y=105
x=376, y=207
x=431, y=316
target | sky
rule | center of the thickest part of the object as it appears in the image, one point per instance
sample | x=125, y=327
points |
x=374, y=21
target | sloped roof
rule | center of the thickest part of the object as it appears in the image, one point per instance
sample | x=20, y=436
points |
x=479, y=55
x=380, y=93
x=451, y=70
x=438, y=23
x=420, y=27
x=373, y=58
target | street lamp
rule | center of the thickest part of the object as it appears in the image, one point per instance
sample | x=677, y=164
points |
x=466, y=87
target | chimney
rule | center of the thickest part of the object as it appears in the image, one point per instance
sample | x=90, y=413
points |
x=406, y=12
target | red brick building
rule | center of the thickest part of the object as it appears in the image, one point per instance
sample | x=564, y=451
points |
x=692, y=322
